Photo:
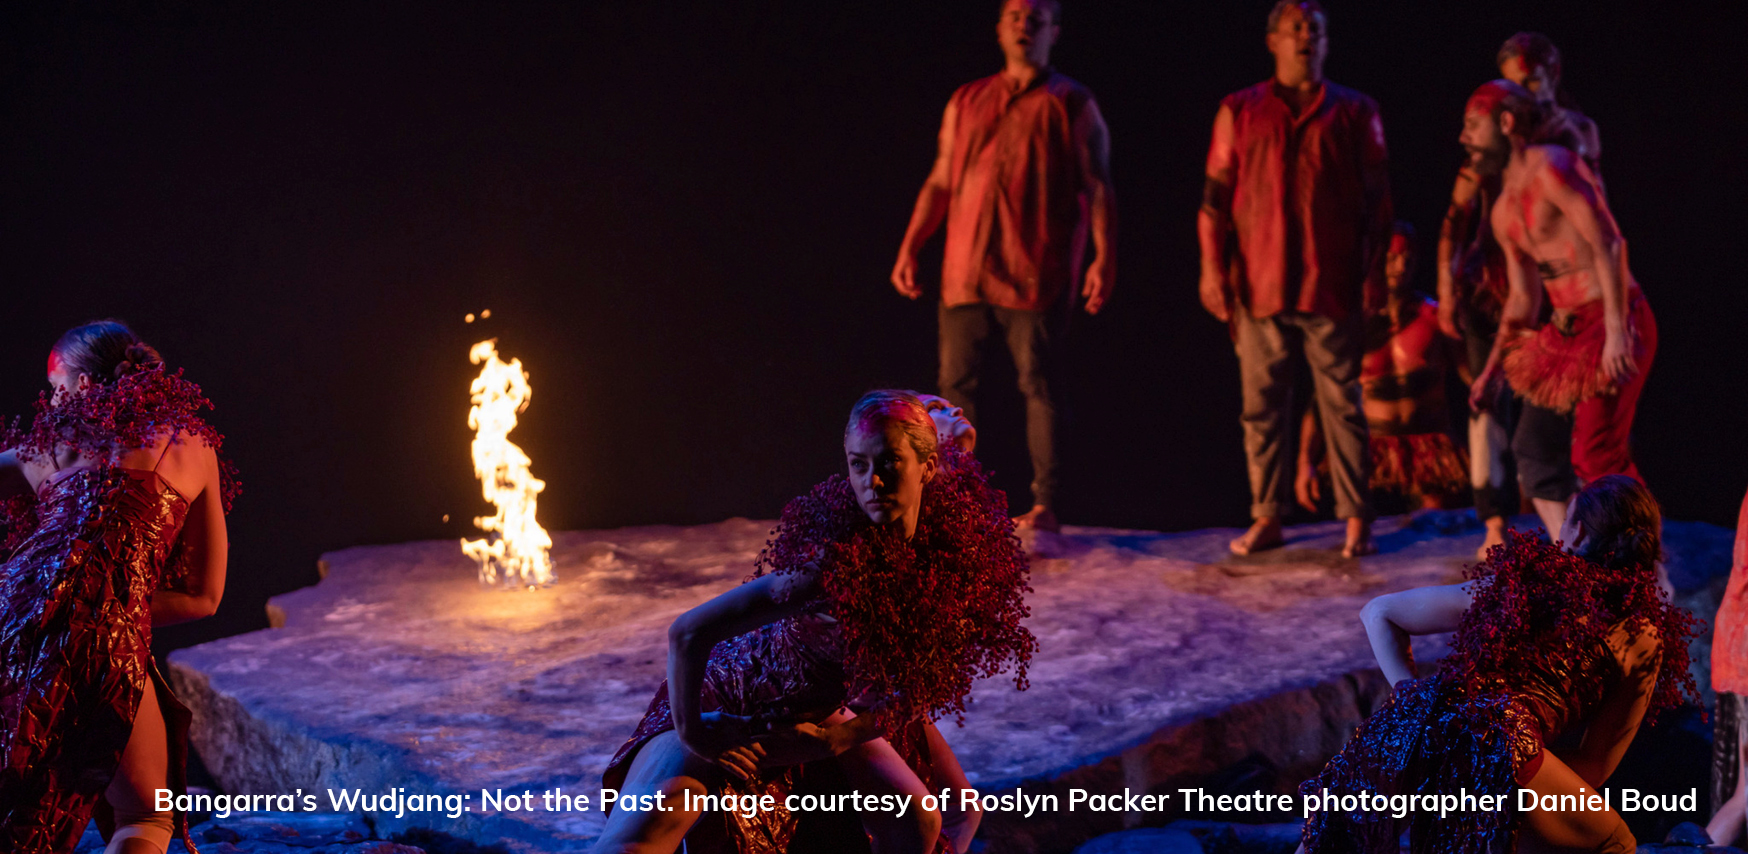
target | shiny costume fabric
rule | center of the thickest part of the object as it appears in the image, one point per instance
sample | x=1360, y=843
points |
x=75, y=650
x=900, y=632
x=1481, y=723
x=789, y=671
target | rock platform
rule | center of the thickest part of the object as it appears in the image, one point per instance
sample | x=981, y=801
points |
x=1164, y=662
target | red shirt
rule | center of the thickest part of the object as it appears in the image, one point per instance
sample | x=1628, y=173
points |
x=1730, y=634
x=1016, y=222
x=1310, y=201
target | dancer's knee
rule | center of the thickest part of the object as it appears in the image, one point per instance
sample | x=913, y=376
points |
x=141, y=833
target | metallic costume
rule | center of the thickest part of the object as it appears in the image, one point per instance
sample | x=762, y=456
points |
x=902, y=629
x=1529, y=661
x=75, y=609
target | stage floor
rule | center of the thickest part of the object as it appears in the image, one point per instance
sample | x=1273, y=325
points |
x=1163, y=661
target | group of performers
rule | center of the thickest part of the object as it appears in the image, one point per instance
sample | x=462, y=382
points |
x=885, y=591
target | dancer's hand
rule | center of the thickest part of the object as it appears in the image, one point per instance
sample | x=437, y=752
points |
x=904, y=276
x=726, y=741
x=1308, y=488
x=1617, y=359
x=1216, y=294
x=1483, y=389
x=794, y=745
x=1101, y=277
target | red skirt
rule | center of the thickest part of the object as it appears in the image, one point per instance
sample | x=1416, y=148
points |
x=1559, y=366
x=1419, y=464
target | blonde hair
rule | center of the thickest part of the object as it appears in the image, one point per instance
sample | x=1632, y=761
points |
x=884, y=406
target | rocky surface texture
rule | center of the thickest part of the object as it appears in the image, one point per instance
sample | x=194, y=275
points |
x=1165, y=663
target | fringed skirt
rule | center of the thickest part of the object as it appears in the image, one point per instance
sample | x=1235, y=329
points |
x=1560, y=365
x=1419, y=464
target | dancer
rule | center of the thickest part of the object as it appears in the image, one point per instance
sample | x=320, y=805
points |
x=1545, y=640
x=1402, y=391
x=1304, y=262
x=1471, y=276
x=847, y=641
x=1730, y=680
x=1581, y=374
x=1021, y=154
x=126, y=532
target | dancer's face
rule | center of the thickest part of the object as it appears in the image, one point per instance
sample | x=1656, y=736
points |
x=63, y=379
x=1532, y=77
x=1027, y=30
x=1485, y=140
x=1300, y=43
x=887, y=475
x=951, y=425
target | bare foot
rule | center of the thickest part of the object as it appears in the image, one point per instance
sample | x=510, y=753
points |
x=1039, y=518
x=1359, y=538
x=1264, y=534
x=1495, y=536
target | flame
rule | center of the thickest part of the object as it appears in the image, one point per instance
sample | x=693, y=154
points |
x=519, y=556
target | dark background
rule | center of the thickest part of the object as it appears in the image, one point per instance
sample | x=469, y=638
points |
x=682, y=219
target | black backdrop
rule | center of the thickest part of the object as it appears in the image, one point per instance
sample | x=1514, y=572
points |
x=682, y=219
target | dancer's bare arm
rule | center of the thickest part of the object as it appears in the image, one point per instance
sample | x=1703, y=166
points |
x=1617, y=719
x=1561, y=185
x=931, y=207
x=1214, y=220
x=1523, y=298
x=763, y=600
x=1393, y=618
x=206, y=544
x=1457, y=230
x=1093, y=149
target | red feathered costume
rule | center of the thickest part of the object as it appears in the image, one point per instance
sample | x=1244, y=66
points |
x=75, y=607
x=915, y=622
x=1529, y=660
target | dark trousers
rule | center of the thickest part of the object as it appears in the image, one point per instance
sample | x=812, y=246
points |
x=1032, y=339
x=1492, y=466
x=1542, y=444
x=1267, y=348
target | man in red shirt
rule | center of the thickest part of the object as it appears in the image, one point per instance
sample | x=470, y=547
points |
x=1294, y=222
x=1022, y=169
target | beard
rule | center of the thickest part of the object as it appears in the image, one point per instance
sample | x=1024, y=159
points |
x=1490, y=159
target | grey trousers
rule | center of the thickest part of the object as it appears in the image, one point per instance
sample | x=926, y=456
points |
x=1031, y=338
x=1267, y=348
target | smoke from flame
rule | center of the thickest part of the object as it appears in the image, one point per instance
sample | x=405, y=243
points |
x=519, y=556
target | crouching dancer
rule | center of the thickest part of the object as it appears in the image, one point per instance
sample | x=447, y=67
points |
x=848, y=640
x=1545, y=640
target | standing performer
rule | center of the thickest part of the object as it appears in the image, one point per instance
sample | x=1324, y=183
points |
x=1730, y=680
x=1545, y=641
x=1402, y=388
x=1471, y=277
x=127, y=532
x=1023, y=159
x=1306, y=260
x=850, y=638
x=1580, y=375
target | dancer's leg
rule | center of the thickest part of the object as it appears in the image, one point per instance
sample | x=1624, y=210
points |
x=958, y=825
x=663, y=765
x=1265, y=352
x=145, y=768
x=1571, y=830
x=875, y=768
